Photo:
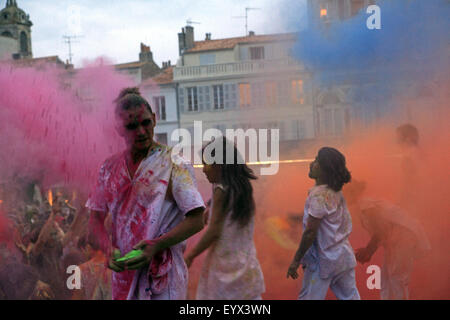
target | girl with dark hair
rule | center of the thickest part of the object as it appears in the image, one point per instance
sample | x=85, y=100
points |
x=231, y=270
x=325, y=253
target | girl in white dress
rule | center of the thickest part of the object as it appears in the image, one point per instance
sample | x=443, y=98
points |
x=231, y=270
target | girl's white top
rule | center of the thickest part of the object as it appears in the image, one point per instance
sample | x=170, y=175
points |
x=231, y=270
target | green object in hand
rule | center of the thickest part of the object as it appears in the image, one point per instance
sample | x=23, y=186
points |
x=130, y=255
x=116, y=254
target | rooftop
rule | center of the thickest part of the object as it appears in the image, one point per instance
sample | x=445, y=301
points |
x=230, y=43
x=165, y=77
x=129, y=65
x=38, y=61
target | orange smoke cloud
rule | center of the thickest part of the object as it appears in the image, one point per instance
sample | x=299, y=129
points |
x=375, y=157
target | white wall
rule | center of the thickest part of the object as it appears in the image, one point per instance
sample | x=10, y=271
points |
x=221, y=56
x=171, y=122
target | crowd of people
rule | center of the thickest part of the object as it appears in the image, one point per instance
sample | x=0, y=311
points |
x=42, y=235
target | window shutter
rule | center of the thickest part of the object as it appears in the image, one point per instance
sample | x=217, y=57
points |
x=181, y=99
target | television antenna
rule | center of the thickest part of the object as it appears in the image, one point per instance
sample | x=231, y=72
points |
x=69, y=40
x=247, y=9
x=189, y=22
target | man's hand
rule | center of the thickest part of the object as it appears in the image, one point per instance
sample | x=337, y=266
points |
x=363, y=255
x=149, y=249
x=292, y=271
x=114, y=265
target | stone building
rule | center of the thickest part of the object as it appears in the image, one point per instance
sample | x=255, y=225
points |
x=15, y=32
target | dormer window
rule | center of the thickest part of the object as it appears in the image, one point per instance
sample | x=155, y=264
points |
x=5, y=16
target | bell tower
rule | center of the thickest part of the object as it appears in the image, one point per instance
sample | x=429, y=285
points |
x=15, y=31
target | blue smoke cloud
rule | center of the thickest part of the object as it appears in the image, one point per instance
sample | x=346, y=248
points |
x=412, y=47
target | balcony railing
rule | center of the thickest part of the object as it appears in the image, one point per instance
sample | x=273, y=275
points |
x=236, y=68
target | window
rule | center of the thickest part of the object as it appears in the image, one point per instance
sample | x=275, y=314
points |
x=301, y=129
x=257, y=53
x=271, y=93
x=207, y=59
x=218, y=97
x=23, y=42
x=347, y=119
x=161, y=138
x=192, y=99
x=327, y=124
x=297, y=91
x=244, y=95
x=338, y=122
x=160, y=107
x=181, y=99
x=283, y=92
x=204, y=102
x=230, y=96
x=257, y=90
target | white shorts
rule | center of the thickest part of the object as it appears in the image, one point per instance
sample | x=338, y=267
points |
x=343, y=285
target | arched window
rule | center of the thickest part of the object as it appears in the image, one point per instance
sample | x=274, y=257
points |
x=23, y=42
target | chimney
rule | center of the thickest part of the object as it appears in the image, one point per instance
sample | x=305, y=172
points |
x=251, y=33
x=185, y=39
x=181, y=42
x=166, y=64
x=208, y=36
x=189, y=40
x=146, y=54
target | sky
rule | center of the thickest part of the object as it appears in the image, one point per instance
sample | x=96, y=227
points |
x=115, y=29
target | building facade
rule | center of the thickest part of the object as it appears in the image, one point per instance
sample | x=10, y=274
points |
x=161, y=92
x=329, y=11
x=245, y=82
x=336, y=107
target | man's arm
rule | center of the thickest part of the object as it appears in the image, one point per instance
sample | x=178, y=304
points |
x=192, y=224
x=308, y=237
x=364, y=255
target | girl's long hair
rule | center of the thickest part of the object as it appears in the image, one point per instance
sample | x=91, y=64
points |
x=332, y=165
x=236, y=178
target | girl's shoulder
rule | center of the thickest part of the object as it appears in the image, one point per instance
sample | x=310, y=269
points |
x=325, y=196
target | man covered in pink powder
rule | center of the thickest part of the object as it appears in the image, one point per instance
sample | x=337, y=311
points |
x=154, y=205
